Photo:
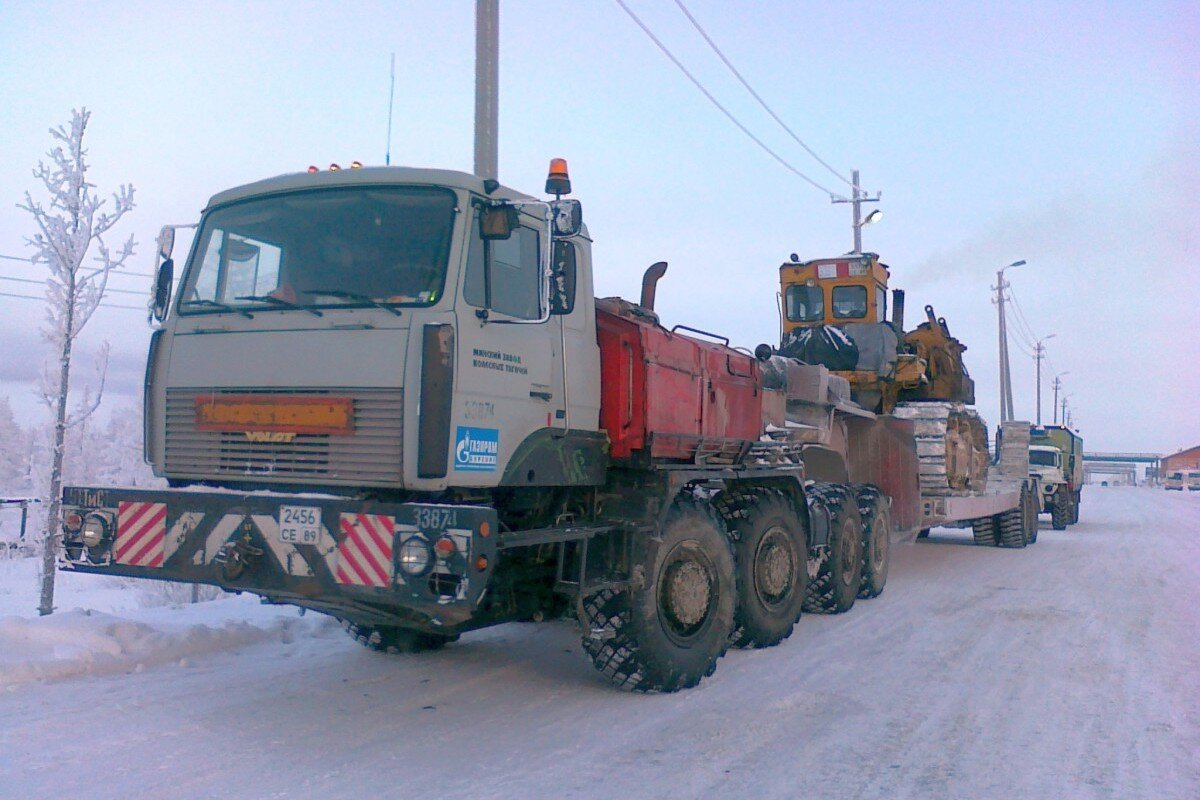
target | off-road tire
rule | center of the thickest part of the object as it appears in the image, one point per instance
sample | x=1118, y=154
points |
x=1060, y=510
x=1029, y=504
x=1075, y=497
x=770, y=546
x=1014, y=523
x=874, y=508
x=666, y=631
x=834, y=583
x=985, y=532
x=394, y=639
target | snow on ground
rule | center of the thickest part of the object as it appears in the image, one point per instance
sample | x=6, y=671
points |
x=1064, y=670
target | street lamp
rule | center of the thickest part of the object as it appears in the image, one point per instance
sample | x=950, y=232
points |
x=856, y=200
x=1038, y=352
x=1006, y=401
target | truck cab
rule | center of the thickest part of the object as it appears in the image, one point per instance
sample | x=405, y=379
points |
x=388, y=329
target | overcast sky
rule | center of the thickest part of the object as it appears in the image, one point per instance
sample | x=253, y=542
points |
x=1065, y=134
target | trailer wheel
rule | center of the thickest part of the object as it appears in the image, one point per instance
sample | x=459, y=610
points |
x=1060, y=511
x=838, y=574
x=1014, y=523
x=666, y=631
x=876, y=515
x=1030, y=506
x=984, y=530
x=394, y=639
x=770, y=546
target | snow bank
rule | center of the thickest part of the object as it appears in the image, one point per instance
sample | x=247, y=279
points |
x=84, y=642
x=124, y=624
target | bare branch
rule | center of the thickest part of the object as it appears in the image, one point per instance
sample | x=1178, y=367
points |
x=89, y=408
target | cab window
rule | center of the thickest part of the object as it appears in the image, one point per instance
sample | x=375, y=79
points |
x=849, y=302
x=804, y=304
x=880, y=304
x=503, y=275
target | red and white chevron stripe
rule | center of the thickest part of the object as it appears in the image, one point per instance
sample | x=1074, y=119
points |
x=365, y=552
x=141, y=534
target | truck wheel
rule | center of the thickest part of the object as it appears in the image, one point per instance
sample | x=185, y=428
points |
x=1014, y=523
x=838, y=576
x=1075, y=506
x=394, y=639
x=873, y=508
x=984, y=530
x=1060, y=511
x=1029, y=503
x=770, y=546
x=667, y=630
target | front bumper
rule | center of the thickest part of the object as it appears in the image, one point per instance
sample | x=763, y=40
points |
x=337, y=555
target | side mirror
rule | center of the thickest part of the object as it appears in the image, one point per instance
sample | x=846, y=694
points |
x=166, y=242
x=162, y=287
x=567, y=216
x=498, y=222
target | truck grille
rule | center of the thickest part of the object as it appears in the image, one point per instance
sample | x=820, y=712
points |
x=370, y=456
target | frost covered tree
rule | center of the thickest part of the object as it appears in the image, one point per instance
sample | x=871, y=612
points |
x=14, y=452
x=73, y=220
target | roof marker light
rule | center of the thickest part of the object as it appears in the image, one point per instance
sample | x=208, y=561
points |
x=312, y=168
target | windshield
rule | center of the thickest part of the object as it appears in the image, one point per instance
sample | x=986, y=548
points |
x=353, y=246
x=849, y=302
x=805, y=304
x=1043, y=458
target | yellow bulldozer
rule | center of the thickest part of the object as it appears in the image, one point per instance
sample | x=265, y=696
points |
x=835, y=313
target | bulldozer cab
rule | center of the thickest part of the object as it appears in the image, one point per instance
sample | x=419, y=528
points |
x=834, y=291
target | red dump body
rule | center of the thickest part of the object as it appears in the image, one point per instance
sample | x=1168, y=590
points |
x=673, y=397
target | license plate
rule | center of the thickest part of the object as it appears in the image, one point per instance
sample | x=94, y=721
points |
x=300, y=524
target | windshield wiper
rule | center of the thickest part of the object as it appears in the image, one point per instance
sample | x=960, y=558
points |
x=358, y=298
x=221, y=306
x=266, y=298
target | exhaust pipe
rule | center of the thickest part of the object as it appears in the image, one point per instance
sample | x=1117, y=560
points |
x=898, y=310
x=650, y=282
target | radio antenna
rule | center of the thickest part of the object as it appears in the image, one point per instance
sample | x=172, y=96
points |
x=387, y=158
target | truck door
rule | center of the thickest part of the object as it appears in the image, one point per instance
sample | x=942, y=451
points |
x=507, y=375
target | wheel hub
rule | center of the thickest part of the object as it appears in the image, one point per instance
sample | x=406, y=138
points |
x=773, y=567
x=846, y=554
x=686, y=592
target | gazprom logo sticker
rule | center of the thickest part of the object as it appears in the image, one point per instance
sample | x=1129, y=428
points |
x=476, y=449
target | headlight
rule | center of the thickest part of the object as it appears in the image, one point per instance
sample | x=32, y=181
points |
x=415, y=555
x=95, y=530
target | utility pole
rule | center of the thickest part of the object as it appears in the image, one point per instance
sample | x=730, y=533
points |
x=1057, y=386
x=487, y=87
x=1039, y=352
x=1006, y=401
x=857, y=199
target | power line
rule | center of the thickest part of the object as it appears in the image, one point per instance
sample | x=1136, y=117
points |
x=43, y=283
x=112, y=272
x=720, y=107
x=756, y=96
x=102, y=305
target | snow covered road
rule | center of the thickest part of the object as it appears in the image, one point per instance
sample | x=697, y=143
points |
x=1068, y=669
